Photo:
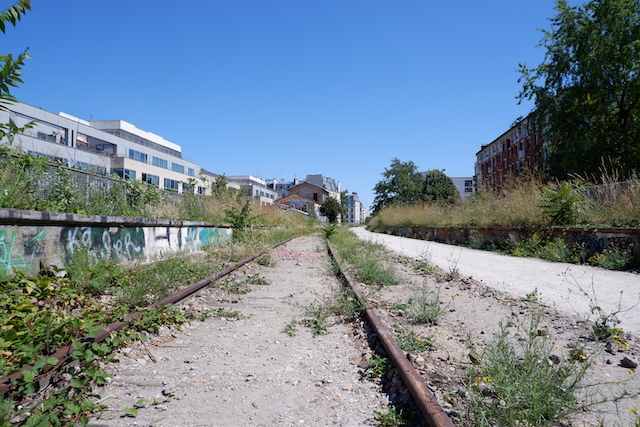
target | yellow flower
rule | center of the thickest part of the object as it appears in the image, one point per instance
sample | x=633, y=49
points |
x=634, y=410
x=631, y=371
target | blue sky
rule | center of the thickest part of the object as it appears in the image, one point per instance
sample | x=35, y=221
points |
x=284, y=88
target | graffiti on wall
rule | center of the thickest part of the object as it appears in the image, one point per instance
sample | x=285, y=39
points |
x=103, y=243
x=19, y=256
x=597, y=243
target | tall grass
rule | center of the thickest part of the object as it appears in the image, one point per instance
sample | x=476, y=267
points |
x=528, y=201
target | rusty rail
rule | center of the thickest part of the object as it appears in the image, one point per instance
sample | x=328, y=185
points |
x=63, y=353
x=426, y=401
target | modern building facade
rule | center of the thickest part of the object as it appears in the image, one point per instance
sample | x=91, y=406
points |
x=518, y=149
x=105, y=147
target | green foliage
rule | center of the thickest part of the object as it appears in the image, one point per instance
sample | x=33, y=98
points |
x=368, y=260
x=332, y=209
x=587, y=89
x=40, y=314
x=613, y=259
x=439, y=188
x=561, y=204
x=518, y=382
x=242, y=219
x=408, y=340
x=377, y=366
x=10, y=69
x=425, y=306
x=392, y=418
x=401, y=184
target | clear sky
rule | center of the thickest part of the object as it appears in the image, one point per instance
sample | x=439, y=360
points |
x=286, y=88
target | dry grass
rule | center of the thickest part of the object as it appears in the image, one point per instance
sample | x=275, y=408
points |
x=519, y=204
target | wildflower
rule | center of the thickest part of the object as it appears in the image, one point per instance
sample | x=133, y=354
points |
x=634, y=410
x=631, y=371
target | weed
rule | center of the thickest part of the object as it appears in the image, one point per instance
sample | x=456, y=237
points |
x=561, y=204
x=424, y=306
x=290, y=328
x=533, y=296
x=377, y=366
x=368, y=260
x=317, y=324
x=516, y=382
x=409, y=341
x=392, y=418
x=423, y=264
x=232, y=286
x=224, y=313
x=256, y=279
x=613, y=259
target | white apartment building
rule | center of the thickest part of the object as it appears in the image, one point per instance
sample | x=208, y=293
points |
x=255, y=188
x=464, y=185
x=105, y=147
x=356, y=213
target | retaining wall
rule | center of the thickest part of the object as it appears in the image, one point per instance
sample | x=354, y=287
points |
x=595, y=240
x=29, y=237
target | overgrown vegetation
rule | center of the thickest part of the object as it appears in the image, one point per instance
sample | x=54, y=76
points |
x=520, y=380
x=369, y=261
x=40, y=314
x=528, y=201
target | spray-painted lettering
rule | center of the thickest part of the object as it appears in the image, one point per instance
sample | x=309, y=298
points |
x=19, y=256
x=103, y=243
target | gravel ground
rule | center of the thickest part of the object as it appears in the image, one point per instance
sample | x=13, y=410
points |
x=247, y=372
x=492, y=288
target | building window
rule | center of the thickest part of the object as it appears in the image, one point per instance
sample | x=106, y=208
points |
x=202, y=191
x=191, y=172
x=151, y=179
x=171, y=185
x=124, y=173
x=137, y=155
x=82, y=166
x=177, y=167
x=161, y=163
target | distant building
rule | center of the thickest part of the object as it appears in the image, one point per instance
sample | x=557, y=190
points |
x=305, y=197
x=356, y=213
x=464, y=185
x=105, y=147
x=329, y=184
x=518, y=149
x=255, y=188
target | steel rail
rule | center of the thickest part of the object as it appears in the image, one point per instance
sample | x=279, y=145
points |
x=426, y=401
x=63, y=353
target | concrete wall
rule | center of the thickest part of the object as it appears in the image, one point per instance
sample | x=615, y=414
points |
x=29, y=237
x=595, y=240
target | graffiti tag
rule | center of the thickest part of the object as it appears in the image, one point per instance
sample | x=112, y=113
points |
x=20, y=257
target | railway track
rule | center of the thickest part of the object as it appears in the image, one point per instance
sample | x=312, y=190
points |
x=265, y=368
x=258, y=362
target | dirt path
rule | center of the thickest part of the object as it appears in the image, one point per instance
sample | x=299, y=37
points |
x=247, y=372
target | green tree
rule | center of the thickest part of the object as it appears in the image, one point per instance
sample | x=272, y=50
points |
x=401, y=183
x=332, y=209
x=438, y=187
x=587, y=89
x=10, y=69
